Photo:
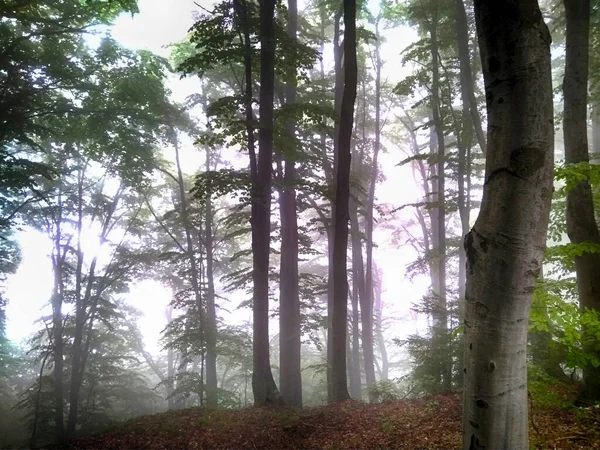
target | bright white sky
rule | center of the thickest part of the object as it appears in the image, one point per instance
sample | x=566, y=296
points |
x=161, y=23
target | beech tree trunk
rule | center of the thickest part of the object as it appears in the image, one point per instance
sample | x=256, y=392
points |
x=440, y=310
x=290, y=381
x=359, y=294
x=581, y=221
x=505, y=247
x=263, y=385
x=338, y=92
x=367, y=305
x=341, y=216
x=212, y=399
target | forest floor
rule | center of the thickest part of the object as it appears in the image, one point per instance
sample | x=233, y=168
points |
x=428, y=423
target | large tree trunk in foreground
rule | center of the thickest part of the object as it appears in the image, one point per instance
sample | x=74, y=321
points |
x=263, y=385
x=341, y=216
x=581, y=221
x=290, y=378
x=506, y=246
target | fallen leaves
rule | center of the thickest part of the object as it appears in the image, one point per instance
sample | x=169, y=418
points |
x=428, y=423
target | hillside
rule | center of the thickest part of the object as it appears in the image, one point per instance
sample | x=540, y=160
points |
x=429, y=423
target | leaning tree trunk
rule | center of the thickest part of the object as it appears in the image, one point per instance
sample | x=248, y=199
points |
x=341, y=216
x=581, y=221
x=263, y=385
x=506, y=246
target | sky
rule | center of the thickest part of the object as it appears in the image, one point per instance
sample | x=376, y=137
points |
x=159, y=24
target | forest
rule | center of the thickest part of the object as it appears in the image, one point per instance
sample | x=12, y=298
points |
x=329, y=224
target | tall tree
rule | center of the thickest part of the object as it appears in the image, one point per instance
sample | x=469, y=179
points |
x=290, y=381
x=506, y=245
x=339, y=389
x=263, y=385
x=581, y=221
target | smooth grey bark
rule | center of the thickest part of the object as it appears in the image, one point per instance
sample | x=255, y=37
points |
x=581, y=220
x=290, y=375
x=505, y=247
x=341, y=215
x=263, y=384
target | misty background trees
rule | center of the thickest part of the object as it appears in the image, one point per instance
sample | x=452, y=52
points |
x=303, y=206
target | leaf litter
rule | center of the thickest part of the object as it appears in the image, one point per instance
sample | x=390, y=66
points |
x=432, y=422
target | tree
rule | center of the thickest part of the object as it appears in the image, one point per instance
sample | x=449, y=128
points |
x=263, y=385
x=506, y=245
x=581, y=221
x=341, y=214
x=290, y=378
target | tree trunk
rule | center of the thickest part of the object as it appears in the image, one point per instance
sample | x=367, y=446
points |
x=290, y=378
x=58, y=261
x=190, y=251
x=466, y=75
x=341, y=216
x=354, y=369
x=338, y=93
x=440, y=311
x=263, y=385
x=367, y=306
x=581, y=221
x=212, y=399
x=385, y=363
x=359, y=292
x=464, y=143
x=505, y=248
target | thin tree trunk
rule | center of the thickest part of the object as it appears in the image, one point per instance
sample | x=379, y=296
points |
x=57, y=325
x=290, y=378
x=581, y=221
x=263, y=385
x=338, y=93
x=82, y=314
x=440, y=311
x=466, y=75
x=464, y=140
x=190, y=251
x=505, y=248
x=367, y=307
x=385, y=363
x=354, y=369
x=341, y=216
x=211, y=313
x=359, y=291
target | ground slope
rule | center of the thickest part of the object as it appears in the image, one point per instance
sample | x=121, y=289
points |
x=429, y=423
